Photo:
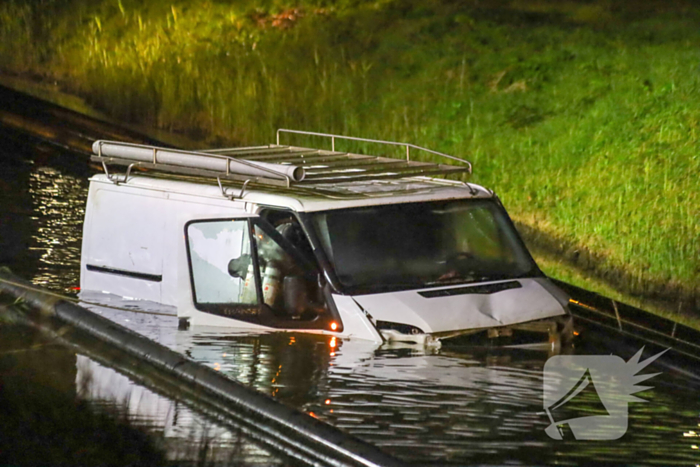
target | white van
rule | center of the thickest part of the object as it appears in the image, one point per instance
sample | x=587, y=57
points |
x=288, y=238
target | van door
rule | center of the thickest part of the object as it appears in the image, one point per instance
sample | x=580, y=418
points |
x=248, y=270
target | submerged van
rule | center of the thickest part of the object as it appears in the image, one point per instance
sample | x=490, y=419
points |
x=282, y=237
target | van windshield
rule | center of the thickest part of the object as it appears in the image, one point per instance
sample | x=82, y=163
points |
x=393, y=247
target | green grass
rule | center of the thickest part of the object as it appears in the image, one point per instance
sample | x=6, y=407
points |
x=582, y=116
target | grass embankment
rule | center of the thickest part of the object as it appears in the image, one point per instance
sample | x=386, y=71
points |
x=583, y=116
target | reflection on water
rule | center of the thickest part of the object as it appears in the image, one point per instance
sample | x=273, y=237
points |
x=41, y=215
x=59, y=207
x=51, y=396
x=452, y=405
x=187, y=436
x=456, y=405
x=42, y=422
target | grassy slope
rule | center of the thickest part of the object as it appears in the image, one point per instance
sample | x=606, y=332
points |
x=583, y=116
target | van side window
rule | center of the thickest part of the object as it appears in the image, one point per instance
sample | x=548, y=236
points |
x=214, y=248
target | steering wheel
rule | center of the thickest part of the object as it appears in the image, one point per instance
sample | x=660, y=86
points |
x=458, y=257
x=453, y=263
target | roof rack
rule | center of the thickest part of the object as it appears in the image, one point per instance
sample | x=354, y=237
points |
x=408, y=146
x=275, y=164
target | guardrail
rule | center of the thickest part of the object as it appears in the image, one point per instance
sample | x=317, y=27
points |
x=281, y=428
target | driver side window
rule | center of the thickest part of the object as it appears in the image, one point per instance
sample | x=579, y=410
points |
x=214, y=248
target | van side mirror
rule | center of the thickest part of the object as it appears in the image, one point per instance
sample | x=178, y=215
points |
x=238, y=267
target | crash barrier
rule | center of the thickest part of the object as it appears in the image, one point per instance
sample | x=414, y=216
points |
x=284, y=430
x=602, y=312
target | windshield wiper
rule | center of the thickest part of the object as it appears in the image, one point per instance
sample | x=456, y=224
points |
x=458, y=279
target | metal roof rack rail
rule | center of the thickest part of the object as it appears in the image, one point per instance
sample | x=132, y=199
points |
x=408, y=146
x=275, y=164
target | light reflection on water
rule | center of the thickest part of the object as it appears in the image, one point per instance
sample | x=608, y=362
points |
x=455, y=405
x=41, y=217
x=59, y=207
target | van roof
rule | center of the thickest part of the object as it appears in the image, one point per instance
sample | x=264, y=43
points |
x=304, y=179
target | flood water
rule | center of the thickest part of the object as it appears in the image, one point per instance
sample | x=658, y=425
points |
x=453, y=405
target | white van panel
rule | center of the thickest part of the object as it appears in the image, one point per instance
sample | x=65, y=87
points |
x=355, y=323
x=134, y=241
x=124, y=233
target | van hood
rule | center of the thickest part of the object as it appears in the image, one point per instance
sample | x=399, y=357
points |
x=472, y=306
